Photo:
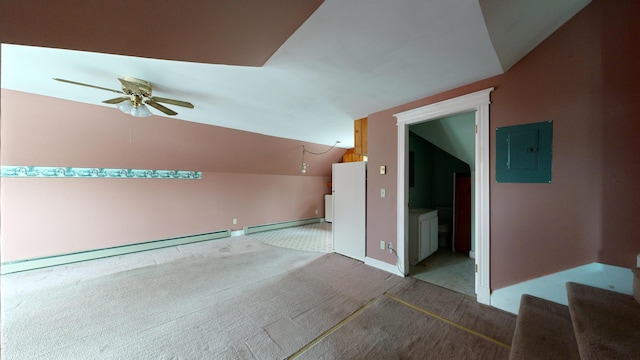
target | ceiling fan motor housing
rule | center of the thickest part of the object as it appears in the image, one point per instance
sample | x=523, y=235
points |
x=144, y=86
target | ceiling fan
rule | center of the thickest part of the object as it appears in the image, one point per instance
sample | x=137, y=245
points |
x=138, y=93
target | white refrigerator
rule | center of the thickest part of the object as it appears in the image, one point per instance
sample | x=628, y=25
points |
x=349, y=189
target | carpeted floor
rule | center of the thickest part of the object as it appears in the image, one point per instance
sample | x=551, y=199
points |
x=606, y=323
x=417, y=320
x=537, y=319
x=239, y=298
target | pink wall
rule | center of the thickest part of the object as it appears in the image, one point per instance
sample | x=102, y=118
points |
x=251, y=177
x=620, y=157
x=581, y=78
x=43, y=217
x=56, y=132
x=242, y=33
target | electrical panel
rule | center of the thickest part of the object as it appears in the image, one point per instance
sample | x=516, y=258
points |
x=524, y=153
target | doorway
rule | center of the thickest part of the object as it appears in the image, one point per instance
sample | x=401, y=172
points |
x=478, y=103
x=441, y=154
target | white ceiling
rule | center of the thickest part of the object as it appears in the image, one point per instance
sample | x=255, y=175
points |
x=348, y=60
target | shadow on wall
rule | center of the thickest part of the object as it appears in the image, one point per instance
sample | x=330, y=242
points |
x=433, y=170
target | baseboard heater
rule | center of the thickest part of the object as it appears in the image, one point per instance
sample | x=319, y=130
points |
x=37, y=263
x=281, y=225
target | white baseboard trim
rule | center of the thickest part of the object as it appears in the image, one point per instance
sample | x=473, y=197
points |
x=382, y=266
x=37, y=263
x=237, y=233
x=483, y=295
x=279, y=225
x=274, y=226
x=553, y=287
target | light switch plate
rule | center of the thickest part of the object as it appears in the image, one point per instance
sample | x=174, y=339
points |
x=383, y=169
x=383, y=193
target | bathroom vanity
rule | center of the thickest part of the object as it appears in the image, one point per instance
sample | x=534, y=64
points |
x=423, y=234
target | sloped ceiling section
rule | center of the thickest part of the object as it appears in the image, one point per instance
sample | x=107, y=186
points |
x=227, y=32
x=296, y=69
x=518, y=26
x=453, y=134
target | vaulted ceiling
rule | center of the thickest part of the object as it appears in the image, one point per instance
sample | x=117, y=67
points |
x=298, y=69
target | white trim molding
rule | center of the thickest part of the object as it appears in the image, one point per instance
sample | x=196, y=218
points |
x=477, y=102
x=280, y=225
x=383, y=266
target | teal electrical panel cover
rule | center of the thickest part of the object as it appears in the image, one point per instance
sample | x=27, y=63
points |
x=523, y=153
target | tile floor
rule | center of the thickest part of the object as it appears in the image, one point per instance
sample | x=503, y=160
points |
x=454, y=271
x=313, y=237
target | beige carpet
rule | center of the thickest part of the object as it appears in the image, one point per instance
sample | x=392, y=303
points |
x=242, y=298
x=417, y=320
x=543, y=331
x=606, y=323
x=238, y=298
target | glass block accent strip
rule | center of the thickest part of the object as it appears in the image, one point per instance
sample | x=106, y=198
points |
x=70, y=172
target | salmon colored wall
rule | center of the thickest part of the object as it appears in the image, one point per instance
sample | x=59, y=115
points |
x=44, y=131
x=620, y=158
x=44, y=217
x=251, y=177
x=581, y=77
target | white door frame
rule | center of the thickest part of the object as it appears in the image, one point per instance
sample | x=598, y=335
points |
x=479, y=102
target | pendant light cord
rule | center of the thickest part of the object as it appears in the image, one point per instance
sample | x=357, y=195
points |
x=303, y=166
x=304, y=150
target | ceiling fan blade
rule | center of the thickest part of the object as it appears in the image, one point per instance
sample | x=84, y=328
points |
x=164, y=109
x=87, y=85
x=116, y=100
x=173, y=102
x=134, y=88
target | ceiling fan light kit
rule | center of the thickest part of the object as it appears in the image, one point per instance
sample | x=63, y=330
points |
x=138, y=93
x=129, y=107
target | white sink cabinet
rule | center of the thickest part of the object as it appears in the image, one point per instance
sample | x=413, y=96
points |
x=423, y=234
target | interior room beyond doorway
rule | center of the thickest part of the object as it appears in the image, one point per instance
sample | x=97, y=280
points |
x=441, y=157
